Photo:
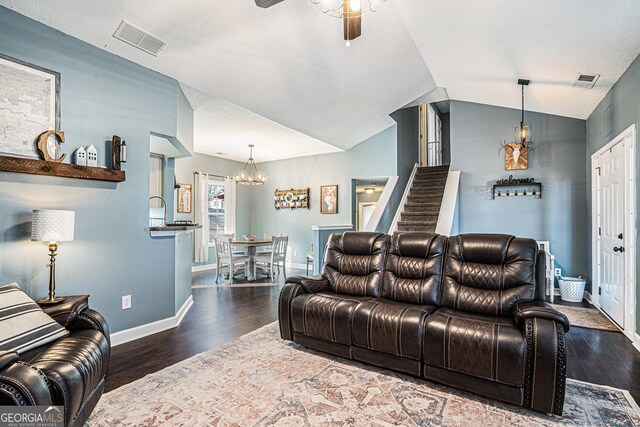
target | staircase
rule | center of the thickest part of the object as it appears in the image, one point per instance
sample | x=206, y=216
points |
x=422, y=208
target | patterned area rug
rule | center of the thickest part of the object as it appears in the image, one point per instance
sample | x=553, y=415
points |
x=261, y=380
x=590, y=318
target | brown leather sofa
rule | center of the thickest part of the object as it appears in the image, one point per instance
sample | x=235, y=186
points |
x=467, y=311
x=70, y=371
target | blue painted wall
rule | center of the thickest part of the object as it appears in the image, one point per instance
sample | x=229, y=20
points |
x=619, y=109
x=558, y=162
x=113, y=255
x=375, y=157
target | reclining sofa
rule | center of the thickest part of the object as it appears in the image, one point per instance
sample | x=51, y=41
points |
x=467, y=311
x=68, y=372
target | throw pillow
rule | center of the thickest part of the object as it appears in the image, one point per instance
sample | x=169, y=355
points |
x=23, y=324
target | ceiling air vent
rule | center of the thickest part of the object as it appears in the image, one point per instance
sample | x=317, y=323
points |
x=586, y=81
x=139, y=38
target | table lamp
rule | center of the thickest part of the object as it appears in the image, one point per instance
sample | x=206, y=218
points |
x=53, y=226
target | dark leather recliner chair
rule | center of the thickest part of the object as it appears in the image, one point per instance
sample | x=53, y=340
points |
x=467, y=311
x=70, y=371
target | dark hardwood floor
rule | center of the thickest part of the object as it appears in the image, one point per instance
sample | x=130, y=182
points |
x=221, y=314
x=218, y=315
x=601, y=357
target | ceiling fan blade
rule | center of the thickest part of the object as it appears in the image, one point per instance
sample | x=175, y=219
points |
x=351, y=21
x=267, y=3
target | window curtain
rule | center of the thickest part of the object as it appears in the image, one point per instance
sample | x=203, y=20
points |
x=201, y=208
x=230, y=205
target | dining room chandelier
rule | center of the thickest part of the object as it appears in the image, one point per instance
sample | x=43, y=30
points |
x=351, y=12
x=249, y=174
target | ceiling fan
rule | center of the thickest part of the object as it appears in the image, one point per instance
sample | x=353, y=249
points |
x=350, y=11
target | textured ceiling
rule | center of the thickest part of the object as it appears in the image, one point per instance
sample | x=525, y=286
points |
x=289, y=64
x=478, y=49
x=223, y=129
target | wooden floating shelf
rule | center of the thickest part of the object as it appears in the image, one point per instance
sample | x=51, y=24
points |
x=66, y=170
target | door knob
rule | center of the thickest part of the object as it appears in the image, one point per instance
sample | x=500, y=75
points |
x=620, y=249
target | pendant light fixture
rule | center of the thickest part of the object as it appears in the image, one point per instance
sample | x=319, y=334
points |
x=523, y=132
x=249, y=174
x=350, y=11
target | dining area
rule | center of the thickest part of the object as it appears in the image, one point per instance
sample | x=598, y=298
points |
x=250, y=257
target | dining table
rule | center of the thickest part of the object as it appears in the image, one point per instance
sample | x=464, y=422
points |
x=250, y=249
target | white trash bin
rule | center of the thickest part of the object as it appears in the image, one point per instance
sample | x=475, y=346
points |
x=572, y=288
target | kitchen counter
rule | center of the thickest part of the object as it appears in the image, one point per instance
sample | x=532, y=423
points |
x=171, y=230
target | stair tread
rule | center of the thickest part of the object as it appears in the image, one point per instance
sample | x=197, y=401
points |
x=423, y=204
x=417, y=223
x=421, y=214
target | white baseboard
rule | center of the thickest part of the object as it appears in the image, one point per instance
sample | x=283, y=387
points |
x=587, y=296
x=204, y=267
x=141, y=331
x=636, y=341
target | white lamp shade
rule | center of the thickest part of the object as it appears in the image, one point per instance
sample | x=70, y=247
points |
x=48, y=225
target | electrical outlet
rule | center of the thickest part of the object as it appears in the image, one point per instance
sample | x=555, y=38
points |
x=558, y=272
x=126, y=302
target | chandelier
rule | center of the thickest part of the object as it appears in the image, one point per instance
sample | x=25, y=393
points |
x=249, y=174
x=350, y=11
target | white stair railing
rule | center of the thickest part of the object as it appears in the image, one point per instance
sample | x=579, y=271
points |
x=448, y=206
x=396, y=218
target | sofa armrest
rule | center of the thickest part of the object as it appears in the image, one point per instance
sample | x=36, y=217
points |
x=312, y=285
x=7, y=358
x=22, y=384
x=66, y=312
x=91, y=319
x=540, y=309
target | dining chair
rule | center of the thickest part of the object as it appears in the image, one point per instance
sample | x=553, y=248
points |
x=265, y=250
x=277, y=257
x=225, y=257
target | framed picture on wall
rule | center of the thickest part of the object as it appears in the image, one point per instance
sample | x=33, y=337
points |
x=185, y=198
x=516, y=157
x=329, y=199
x=29, y=105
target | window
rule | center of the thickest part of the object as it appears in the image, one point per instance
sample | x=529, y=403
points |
x=216, y=210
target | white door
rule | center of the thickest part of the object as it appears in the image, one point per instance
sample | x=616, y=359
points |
x=366, y=210
x=612, y=233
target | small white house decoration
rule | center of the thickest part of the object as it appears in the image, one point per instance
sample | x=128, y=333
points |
x=92, y=156
x=81, y=156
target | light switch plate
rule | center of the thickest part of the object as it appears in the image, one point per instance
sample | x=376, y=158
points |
x=126, y=302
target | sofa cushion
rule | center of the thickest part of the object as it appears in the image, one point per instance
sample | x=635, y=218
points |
x=74, y=366
x=23, y=324
x=413, y=268
x=325, y=315
x=390, y=327
x=354, y=262
x=487, y=347
x=489, y=273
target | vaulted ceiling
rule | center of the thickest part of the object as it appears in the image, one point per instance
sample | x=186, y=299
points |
x=289, y=64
